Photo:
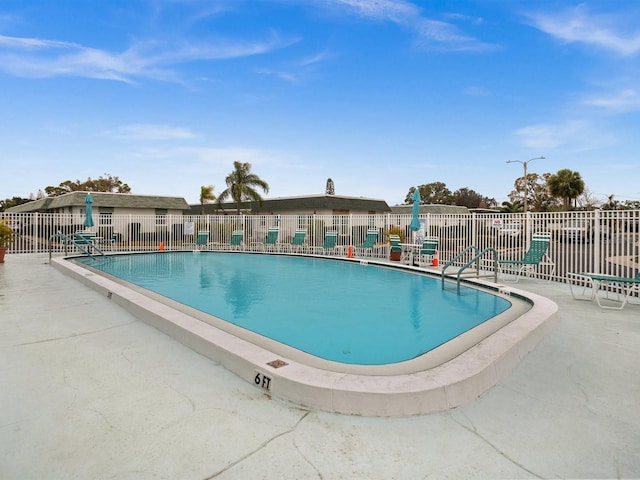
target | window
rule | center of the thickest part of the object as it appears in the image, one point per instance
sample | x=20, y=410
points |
x=105, y=218
x=303, y=221
x=161, y=216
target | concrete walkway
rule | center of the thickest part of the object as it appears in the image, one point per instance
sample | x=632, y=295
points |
x=87, y=391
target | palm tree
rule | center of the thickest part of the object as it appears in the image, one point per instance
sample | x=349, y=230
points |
x=240, y=185
x=515, y=207
x=566, y=184
x=206, y=196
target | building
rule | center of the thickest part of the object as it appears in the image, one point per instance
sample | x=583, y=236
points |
x=431, y=208
x=143, y=214
x=302, y=205
x=105, y=203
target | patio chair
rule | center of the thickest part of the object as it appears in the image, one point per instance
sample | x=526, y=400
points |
x=536, y=256
x=297, y=242
x=600, y=282
x=395, y=250
x=369, y=243
x=271, y=240
x=424, y=257
x=237, y=240
x=202, y=241
x=109, y=243
x=329, y=245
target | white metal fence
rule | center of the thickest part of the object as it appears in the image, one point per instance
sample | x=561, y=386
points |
x=596, y=241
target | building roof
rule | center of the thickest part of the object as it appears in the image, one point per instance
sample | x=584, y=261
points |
x=101, y=199
x=305, y=202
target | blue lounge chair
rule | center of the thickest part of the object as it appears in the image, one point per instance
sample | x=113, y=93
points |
x=536, y=256
x=237, y=240
x=297, y=242
x=271, y=240
x=624, y=286
x=395, y=249
x=201, y=241
x=424, y=257
x=369, y=243
x=329, y=245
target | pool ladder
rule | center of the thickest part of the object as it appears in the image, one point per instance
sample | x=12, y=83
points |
x=477, y=255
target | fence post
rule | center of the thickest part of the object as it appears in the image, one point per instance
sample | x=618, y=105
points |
x=596, y=239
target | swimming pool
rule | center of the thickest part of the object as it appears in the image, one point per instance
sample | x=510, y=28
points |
x=346, y=312
x=343, y=378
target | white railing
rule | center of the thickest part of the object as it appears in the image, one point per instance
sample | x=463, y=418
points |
x=596, y=241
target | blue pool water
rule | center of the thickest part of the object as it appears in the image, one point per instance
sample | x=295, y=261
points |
x=337, y=310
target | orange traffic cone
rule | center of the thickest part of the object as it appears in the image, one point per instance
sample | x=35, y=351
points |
x=435, y=262
x=161, y=247
x=350, y=252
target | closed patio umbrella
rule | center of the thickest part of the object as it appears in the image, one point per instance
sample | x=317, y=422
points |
x=415, y=222
x=88, y=215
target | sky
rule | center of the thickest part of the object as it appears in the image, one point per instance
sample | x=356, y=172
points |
x=378, y=95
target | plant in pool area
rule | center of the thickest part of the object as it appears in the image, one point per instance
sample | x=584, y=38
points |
x=6, y=237
x=6, y=234
x=394, y=231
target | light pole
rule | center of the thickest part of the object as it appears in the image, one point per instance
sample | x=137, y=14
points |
x=524, y=167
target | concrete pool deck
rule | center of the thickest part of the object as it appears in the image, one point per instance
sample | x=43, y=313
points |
x=89, y=391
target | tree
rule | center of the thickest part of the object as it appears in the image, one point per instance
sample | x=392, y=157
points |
x=538, y=197
x=509, y=207
x=206, y=196
x=436, y=192
x=587, y=201
x=469, y=198
x=12, y=202
x=567, y=185
x=330, y=189
x=241, y=185
x=107, y=183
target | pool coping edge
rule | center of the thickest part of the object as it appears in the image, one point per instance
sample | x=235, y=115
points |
x=452, y=384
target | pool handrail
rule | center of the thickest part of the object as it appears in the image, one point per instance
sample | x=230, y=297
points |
x=80, y=245
x=476, y=259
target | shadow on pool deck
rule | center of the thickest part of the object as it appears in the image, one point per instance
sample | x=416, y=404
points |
x=88, y=391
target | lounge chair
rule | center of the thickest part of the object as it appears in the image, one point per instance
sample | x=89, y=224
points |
x=237, y=240
x=109, y=243
x=597, y=282
x=395, y=250
x=271, y=240
x=536, y=256
x=424, y=257
x=297, y=242
x=368, y=244
x=202, y=241
x=329, y=245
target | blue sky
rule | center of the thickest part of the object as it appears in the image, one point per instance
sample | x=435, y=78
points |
x=379, y=95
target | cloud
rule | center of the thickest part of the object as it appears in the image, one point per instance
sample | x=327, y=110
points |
x=206, y=155
x=626, y=100
x=431, y=33
x=393, y=10
x=475, y=91
x=282, y=75
x=42, y=58
x=604, y=31
x=147, y=132
x=573, y=135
